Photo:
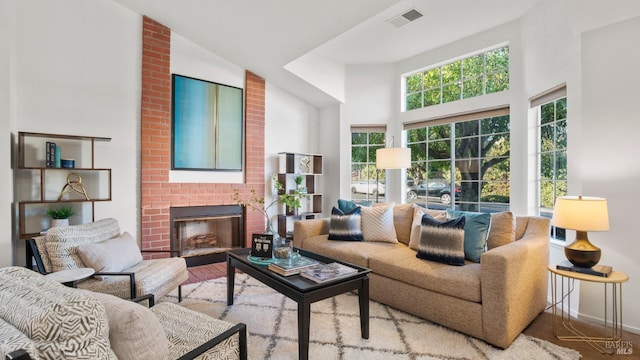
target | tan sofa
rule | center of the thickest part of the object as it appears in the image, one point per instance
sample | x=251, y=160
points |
x=493, y=300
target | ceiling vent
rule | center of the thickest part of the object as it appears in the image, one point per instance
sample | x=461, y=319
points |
x=405, y=18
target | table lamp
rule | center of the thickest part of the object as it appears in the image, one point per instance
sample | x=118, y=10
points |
x=582, y=214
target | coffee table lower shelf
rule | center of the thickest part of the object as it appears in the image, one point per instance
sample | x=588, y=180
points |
x=304, y=292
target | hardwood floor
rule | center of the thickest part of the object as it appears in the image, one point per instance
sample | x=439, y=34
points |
x=541, y=327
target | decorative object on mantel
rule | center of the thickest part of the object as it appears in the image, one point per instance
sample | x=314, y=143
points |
x=74, y=184
x=60, y=216
x=582, y=214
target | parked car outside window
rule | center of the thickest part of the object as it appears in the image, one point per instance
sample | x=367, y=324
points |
x=434, y=190
x=367, y=187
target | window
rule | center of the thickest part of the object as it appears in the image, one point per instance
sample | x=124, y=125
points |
x=552, y=152
x=477, y=75
x=461, y=162
x=367, y=184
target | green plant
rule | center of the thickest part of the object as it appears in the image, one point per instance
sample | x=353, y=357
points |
x=258, y=203
x=63, y=212
x=298, y=180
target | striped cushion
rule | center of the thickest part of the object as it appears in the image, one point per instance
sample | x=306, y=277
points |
x=187, y=329
x=62, y=322
x=62, y=242
x=442, y=241
x=345, y=226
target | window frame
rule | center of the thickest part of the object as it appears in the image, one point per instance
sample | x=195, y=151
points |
x=370, y=195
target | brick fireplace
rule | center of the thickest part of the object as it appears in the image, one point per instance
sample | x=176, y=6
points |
x=158, y=195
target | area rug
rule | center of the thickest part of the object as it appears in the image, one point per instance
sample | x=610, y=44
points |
x=271, y=320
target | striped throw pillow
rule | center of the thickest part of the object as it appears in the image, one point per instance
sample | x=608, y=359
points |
x=345, y=226
x=442, y=241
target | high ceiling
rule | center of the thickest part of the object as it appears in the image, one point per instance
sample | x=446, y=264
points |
x=265, y=35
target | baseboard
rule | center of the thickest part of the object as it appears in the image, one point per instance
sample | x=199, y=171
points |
x=593, y=319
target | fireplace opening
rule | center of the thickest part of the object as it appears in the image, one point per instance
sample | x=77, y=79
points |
x=202, y=234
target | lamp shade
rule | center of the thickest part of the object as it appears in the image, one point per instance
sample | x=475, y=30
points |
x=393, y=158
x=581, y=213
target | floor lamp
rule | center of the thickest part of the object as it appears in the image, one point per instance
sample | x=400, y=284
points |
x=391, y=158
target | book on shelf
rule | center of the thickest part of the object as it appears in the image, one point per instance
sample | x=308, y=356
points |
x=50, y=154
x=328, y=272
x=597, y=270
x=292, y=266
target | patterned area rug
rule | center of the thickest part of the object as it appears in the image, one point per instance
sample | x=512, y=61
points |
x=271, y=320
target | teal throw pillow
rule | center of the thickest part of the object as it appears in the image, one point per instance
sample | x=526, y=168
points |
x=347, y=206
x=442, y=241
x=476, y=230
x=345, y=226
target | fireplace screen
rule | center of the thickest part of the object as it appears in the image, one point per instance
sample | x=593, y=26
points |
x=199, y=231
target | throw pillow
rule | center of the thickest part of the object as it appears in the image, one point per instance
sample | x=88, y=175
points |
x=345, y=226
x=402, y=219
x=416, y=225
x=476, y=229
x=134, y=330
x=348, y=205
x=502, y=230
x=377, y=224
x=113, y=255
x=442, y=241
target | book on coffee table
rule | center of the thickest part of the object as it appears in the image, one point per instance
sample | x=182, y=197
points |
x=328, y=272
x=597, y=270
x=292, y=266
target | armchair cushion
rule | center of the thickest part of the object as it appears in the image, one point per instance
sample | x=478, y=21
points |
x=12, y=339
x=134, y=331
x=116, y=254
x=62, y=242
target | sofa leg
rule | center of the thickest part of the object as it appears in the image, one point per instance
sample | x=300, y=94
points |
x=179, y=293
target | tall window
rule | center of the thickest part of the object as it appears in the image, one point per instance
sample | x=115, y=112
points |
x=477, y=75
x=367, y=184
x=460, y=162
x=552, y=152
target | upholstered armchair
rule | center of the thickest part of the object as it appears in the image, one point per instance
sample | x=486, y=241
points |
x=118, y=263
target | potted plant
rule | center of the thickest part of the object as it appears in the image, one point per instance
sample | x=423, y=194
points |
x=61, y=215
x=301, y=188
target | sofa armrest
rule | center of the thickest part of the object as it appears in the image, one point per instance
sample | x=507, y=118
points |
x=240, y=329
x=514, y=283
x=132, y=280
x=304, y=229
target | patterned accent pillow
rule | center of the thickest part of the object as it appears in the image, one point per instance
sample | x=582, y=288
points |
x=62, y=242
x=62, y=322
x=377, y=224
x=345, y=226
x=112, y=255
x=442, y=241
x=476, y=230
x=12, y=339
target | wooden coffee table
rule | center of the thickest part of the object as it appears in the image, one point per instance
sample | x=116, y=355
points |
x=303, y=291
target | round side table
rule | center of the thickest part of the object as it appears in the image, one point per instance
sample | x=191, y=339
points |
x=562, y=282
x=70, y=277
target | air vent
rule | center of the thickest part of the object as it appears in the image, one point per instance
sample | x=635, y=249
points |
x=405, y=18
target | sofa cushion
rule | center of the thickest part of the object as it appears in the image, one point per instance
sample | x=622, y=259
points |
x=111, y=255
x=378, y=225
x=401, y=264
x=187, y=329
x=62, y=322
x=12, y=339
x=134, y=330
x=476, y=230
x=151, y=278
x=442, y=241
x=416, y=224
x=346, y=226
x=357, y=253
x=502, y=230
x=62, y=242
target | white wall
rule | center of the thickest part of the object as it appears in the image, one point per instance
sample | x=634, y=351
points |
x=609, y=159
x=291, y=125
x=76, y=70
x=7, y=43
